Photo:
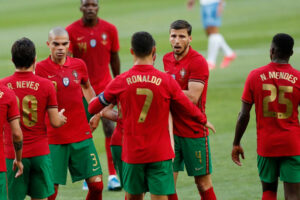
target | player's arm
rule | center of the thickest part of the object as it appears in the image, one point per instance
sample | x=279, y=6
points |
x=88, y=91
x=241, y=125
x=171, y=130
x=57, y=119
x=109, y=113
x=194, y=92
x=115, y=63
x=97, y=104
x=18, y=145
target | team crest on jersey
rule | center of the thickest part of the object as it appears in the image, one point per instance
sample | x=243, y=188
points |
x=173, y=75
x=66, y=81
x=104, y=39
x=93, y=43
x=1, y=94
x=182, y=73
x=75, y=74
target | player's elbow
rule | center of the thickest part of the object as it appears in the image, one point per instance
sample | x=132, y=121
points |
x=17, y=135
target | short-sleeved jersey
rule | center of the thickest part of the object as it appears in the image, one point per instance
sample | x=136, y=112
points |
x=146, y=95
x=94, y=45
x=117, y=136
x=275, y=91
x=35, y=96
x=67, y=80
x=8, y=111
x=192, y=67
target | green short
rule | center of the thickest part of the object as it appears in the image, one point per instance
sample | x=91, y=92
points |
x=116, y=152
x=3, y=186
x=156, y=177
x=86, y=105
x=36, y=181
x=194, y=153
x=81, y=158
x=287, y=168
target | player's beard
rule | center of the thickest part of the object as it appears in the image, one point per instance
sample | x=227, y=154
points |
x=183, y=50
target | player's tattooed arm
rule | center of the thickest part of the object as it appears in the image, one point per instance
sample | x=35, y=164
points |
x=18, y=145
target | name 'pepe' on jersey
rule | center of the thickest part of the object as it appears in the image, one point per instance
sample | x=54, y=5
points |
x=35, y=95
x=275, y=90
x=146, y=96
x=192, y=67
x=8, y=111
x=67, y=80
x=94, y=45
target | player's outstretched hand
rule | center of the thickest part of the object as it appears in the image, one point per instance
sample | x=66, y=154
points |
x=94, y=122
x=63, y=118
x=237, y=150
x=19, y=165
x=190, y=4
x=210, y=126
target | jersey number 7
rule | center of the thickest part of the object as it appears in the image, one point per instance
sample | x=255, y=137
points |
x=147, y=104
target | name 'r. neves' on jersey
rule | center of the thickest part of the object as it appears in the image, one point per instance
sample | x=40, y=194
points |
x=24, y=84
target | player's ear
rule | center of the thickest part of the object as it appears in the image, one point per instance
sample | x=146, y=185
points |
x=48, y=43
x=131, y=51
x=190, y=38
x=154, y=53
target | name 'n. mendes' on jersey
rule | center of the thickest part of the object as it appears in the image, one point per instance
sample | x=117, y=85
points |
x=146, y=96
x=275, y=91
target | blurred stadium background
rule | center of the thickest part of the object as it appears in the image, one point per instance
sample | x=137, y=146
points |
x=248, y=27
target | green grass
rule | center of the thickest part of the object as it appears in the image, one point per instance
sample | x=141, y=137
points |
x=248, y=27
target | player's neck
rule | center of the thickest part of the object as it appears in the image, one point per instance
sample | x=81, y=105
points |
x=280, y=61
x=143, y=61
x=60, y=62
x=90, y=23
x=24, y=69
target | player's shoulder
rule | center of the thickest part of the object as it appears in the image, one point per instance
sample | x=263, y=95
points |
x=76, y=62
x=6, y=93
x=106, y=24
x=5, y=80
x=73, y=25
x=195, y=55
x=168, y=56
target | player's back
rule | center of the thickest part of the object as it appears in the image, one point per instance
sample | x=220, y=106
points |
x=276, y=94
x=35, y=96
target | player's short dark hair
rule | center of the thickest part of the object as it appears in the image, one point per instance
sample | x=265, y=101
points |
x=23, y=53
x=283, y=44
x=181, y=24
x=81, y=1
x=142, y=43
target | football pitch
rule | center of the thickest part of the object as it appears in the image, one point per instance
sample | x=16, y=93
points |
x=248, y=26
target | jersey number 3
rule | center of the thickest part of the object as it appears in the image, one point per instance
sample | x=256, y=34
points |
x=281, y=100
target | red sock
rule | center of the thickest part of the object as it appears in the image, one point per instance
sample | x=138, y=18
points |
x=269, y=195
x=172, y=196
x=95, y=191
x=208, y=194
x=125, y=197
x=110, y=163
x=53, y=196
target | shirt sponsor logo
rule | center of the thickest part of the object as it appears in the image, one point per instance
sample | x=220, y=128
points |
x=93, y=43
x=66, y=81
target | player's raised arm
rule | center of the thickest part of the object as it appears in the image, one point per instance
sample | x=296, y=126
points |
x=240, y=128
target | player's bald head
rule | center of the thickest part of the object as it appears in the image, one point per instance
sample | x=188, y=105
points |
x=57, y=31
x=82, y=1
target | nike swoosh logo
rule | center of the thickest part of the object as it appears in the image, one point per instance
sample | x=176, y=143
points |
x=49, y=76
x=198, y=169
x=96, y=169
x=80, y=38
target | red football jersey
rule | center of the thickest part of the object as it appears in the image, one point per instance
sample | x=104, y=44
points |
x=94, y=45
x=146, y=96
x=192, y=67
x=116, y=138
x=8, y=111
x=67, y=80
x=35, y=96
x=275, y=91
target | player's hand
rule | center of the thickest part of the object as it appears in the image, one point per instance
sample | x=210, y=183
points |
x=19, y=165
x=94, y=122
x=237, y=150
x=190, y=4
x=210, y=126
x=62, y=117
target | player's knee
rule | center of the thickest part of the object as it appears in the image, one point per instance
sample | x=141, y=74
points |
x=203, y=183
x=108, y=127
x=96, y=187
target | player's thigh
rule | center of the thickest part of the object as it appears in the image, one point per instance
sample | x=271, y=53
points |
x=290, y=169
x=210, y=17
x=159, y=176
x=197, y=156
x=116, y=152
x=108, y=127
x=268, y=168
x=178, y=164
x=292, y=191
x=3, y=186
x=41, y=177
x=134, y=178
x=19, y=184
x=84, y=161
x=60, y=155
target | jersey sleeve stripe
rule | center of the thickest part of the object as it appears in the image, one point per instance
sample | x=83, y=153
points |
x=13, y=118
x=196, y=80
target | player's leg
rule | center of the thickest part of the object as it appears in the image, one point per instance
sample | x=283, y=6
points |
x=290, y=174
x=41, y=184
x=160, y=179
x=116, y=152
x=60, y=155
x=268, y=169
x=197, y=159
x=134, y=181
x=84, y=164
x=108, y=129
x=3, y=186
x=178, y=164
x=19, y=184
